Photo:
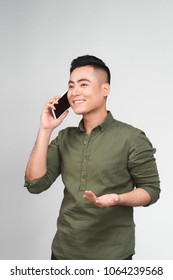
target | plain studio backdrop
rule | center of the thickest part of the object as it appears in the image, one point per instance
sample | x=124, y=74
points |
x=39, y=39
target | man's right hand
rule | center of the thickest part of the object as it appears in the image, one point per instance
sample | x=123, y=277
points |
x=47, y=120
x=37, y=164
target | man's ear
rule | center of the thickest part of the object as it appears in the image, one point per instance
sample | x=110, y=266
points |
x=106, y=89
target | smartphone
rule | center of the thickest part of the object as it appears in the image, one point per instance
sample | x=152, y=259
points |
x=62, y=106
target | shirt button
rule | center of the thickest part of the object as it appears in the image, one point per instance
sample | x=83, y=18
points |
x=85, y=142
x=82, y=180
x=84, y=160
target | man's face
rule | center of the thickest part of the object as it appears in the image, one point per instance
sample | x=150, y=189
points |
x=87, y=90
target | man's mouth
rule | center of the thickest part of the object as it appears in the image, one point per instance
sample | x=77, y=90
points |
x=79, y=101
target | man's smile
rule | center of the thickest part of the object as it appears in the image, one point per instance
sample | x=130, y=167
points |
x=79, y=101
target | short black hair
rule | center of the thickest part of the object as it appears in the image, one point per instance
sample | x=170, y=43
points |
x=94, y=61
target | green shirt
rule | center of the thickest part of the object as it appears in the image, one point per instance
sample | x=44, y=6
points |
x=114, y=158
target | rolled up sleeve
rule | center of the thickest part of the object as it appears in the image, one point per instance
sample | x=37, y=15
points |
x=142, y=166
x=39, y=185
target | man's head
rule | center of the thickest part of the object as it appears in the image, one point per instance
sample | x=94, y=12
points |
x=88, y=86
x=90, y=60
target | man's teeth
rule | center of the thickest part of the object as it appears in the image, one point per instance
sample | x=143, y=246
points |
x=78, y=101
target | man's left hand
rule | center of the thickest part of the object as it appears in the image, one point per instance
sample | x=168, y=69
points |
x=102, y=201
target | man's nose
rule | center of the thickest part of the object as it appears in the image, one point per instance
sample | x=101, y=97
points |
x=75, y=91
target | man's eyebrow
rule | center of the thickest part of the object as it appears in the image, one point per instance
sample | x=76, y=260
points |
x=70, y=82
x=81, y=80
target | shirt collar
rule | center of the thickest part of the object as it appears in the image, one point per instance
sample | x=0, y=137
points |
x=107, y=121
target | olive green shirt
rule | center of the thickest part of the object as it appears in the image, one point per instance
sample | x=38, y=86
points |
x=114, y=158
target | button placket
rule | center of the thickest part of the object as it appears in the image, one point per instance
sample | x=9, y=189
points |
x=84, y=164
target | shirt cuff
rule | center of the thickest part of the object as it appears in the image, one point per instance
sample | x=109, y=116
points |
x=37, y=186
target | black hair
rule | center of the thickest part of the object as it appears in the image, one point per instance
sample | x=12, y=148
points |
x=86, y=60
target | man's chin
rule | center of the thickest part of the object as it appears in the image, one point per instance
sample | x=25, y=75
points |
x=78, y=112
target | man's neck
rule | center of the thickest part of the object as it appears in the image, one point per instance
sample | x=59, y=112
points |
x=93, y=120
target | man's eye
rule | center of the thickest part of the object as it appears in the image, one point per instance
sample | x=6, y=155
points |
x=83, y=85
x=70, y=86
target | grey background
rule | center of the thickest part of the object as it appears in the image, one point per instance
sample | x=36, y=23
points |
x=39, y=39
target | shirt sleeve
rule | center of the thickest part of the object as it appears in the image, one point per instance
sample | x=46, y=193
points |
x=142, y=166
x=53, y=171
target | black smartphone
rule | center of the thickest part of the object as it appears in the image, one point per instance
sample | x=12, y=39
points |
x=62, y=106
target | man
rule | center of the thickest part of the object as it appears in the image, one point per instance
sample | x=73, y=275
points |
x=107, y=168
